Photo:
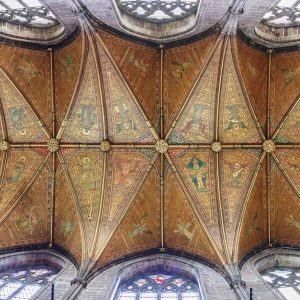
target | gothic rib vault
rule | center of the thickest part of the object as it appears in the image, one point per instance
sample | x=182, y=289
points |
x=110, y=148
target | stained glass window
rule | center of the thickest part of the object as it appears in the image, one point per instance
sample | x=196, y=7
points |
x=24, y=283
x=159, y=286
x=27, y=12
x=158, y=11
x=284, y=13
x=285, y=281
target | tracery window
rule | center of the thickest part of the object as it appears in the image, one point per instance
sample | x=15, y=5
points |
x=24, y=283
x=159, y=286
x=158, y=11
x=284, y=13
x=27, y=12
x=284, y=280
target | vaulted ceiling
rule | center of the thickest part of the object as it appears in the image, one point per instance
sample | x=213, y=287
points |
x=110, y=148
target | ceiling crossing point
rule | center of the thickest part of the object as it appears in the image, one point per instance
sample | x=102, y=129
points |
x=268, y=146
x=216, y=146
x=4, y=145
x=105, y=146
x=53, y=145
x=161, y=146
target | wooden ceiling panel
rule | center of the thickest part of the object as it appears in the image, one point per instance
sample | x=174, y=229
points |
x=237, y=169
x=236, y=122
x=254, y=231
x=285, y=211
x=30, y=71
x=84, y=117
x=67, y=62
x=21, y=168
x=140, y=66
x=284, y=84
x=22, y=124
x=183, y=231
x=182, y=67
x=67, y=231
x=126, y=121
x=29, y=222
x=140, y=227
x=254, y=69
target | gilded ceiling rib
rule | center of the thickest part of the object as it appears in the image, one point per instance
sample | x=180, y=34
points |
x=216, y=154
x=219, y=86
x=233, y=44
x=243, y=212
x=3, y=167
x=220, y=209
x=78, y=208
x=162, y=195
x=150, y=166
x=84, y=55
x=40, y=121
x=53, y=110
x=212, y=242
x=285, y=174
x=93, y=247
x=210, y=56
x=52, y=204
x=93, y=44
x=39, y=170
x=3, y=123
x=148, y=123
x=268, y=132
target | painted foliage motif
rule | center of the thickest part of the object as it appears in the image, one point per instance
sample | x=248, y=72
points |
x=86, y=173
x=27, y=68
x=29, y=220
x=237, y=124
x=22, y=165
x=85, y=120
x=127, y=170
x=238, y=169
x=128, y=124
x=22, y=124
x=291, y=127
x=195, y=168
x=195, y=122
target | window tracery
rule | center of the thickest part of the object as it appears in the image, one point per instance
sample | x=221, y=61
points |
x=158, y=11
x=284, y=13
x=159, y=286
x=23, y=283
x=284, y=280
x=27, y=12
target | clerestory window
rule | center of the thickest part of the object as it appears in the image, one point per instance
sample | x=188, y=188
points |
x=27, y=13
x=159, y=286
x=24, y=283
x=158, y=11
x=284, y=280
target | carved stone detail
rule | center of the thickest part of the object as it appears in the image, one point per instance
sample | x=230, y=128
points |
x=105, y=146
x=216, y=146
x=161, y=146
x=268, y=146
x=4, y=145
x=53, y=145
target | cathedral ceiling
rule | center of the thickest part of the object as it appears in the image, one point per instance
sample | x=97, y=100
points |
x=110, y=148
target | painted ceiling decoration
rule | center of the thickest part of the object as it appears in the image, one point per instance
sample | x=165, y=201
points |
x=110, y=148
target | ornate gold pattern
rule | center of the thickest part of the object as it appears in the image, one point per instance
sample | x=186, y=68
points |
x=53, y=145
x=105, y=146
x=216, y=146
x=268, y=146
x=161, y=146
x=4, y=145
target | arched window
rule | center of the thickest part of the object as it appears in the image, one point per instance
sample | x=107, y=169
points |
x=25, y=282
x=284, y=280
x=159, y=286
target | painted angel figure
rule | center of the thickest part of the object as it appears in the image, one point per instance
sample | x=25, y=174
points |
x=237, y=170
x=17, y=173
x=18, y=118
x=87, y=118
x=141, y=228
x=235, y=121
x=197, y=170
x=123, y=119
x=88, y=174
